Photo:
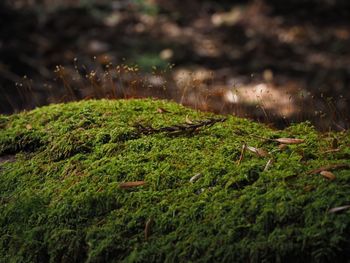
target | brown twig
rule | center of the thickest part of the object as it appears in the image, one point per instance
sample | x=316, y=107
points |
x=244, y=147
x=279, y=140
x=330, y=151
x=148, y=226
x=178, y=128
x=329, y=167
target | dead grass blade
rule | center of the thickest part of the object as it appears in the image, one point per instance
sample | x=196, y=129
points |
x=339, y=209
x=331, y=151
x=289, y=140
x=195, y=177
x=268, y=164
x=127, y=185
x=147, y=230
x=241, y=157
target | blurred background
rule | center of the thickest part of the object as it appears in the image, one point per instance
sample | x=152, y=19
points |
x=274, y=61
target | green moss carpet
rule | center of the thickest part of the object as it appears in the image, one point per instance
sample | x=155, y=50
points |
x=153, y=181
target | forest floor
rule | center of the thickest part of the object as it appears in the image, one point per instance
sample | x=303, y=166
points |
x=274, y=62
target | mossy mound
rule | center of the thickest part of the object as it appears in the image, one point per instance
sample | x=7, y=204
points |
x=62, y=201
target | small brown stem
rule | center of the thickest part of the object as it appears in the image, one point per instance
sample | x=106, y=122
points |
x=329, y=167
x=241, y=157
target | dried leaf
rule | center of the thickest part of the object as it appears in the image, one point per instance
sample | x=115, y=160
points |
x=195, y=177
x=262, y=153
x=131, y=184
x=29, y=127
x=329, y=167
x=339, y=209
x=289, y=140
x=188, y=120
x=328, y=175
x=308, y=188
x=258, y=151
x=162, y=110
x=148, y=225
x=282, y=146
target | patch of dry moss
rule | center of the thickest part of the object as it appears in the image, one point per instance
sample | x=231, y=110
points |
x=61, y=201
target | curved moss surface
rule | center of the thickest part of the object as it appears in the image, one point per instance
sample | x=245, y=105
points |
x=62, y=196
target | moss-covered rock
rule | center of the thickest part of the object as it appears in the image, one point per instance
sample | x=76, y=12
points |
x=62, y=168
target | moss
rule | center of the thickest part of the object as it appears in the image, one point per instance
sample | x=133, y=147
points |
x=61, y=201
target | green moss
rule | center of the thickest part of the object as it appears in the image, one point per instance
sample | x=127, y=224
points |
x=61, y=201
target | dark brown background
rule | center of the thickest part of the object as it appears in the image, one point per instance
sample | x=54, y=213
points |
x=274, y=61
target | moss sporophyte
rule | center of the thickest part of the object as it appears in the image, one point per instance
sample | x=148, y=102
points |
x=110, y=181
